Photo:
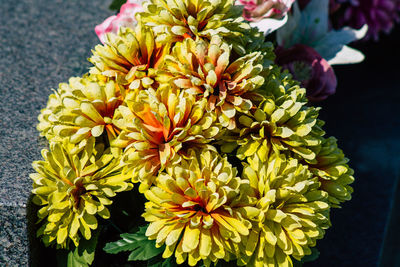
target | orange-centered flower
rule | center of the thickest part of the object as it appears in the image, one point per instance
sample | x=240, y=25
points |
x=158, y=127
x=72, y=185
x=173, y=21
x=82, y=108
x=205, y=70
x=130, y=57
x=199, y=209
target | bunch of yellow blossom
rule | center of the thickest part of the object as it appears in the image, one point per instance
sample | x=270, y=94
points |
x=231, y=158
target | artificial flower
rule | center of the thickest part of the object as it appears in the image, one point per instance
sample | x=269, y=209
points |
x=177, y=20
x=130, y=57
x=207, y=71
x=158, y=128
x=379, y=15
x=279, y=124
x=54, y=105
x=199, y=209
x=308, y=67
x=82, y=108
x=333, y=171
x=73, y=188
x=257, y=43
x=294, y=212
x=125, y=18
x=256, y=10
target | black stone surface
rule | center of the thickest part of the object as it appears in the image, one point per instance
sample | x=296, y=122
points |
x=42, y=43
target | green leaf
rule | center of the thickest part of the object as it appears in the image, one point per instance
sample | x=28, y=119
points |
x=83, y=255
x=140, y=246
x=297, y=263
x=116, y=4
x=74, y=260
x=312, y=257
x=161, y=262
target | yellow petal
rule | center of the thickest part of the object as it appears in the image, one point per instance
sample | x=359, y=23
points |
x=154, y=227
x=238, y=225
x=190, y=239
x=174, y=235
x=62, y=235
x=205, y=243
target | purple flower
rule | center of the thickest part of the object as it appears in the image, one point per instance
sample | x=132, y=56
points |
x=309, y=68
x=379, y=15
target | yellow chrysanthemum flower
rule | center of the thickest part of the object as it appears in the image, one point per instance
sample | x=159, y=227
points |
x=158, y=127
x=294, y=212
x=82, y=108
x=131, y=57
x=173, y=21
x=199, y=209
x=73, y=188
x=205, y=70
x=47, y=115
x=277, y=125
x=334, y=173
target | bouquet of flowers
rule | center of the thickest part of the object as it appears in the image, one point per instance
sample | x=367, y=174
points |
x=186, y=106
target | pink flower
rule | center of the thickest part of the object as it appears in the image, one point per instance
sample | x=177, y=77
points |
x=309, y=68
x=255, y=10
x=125, y=18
